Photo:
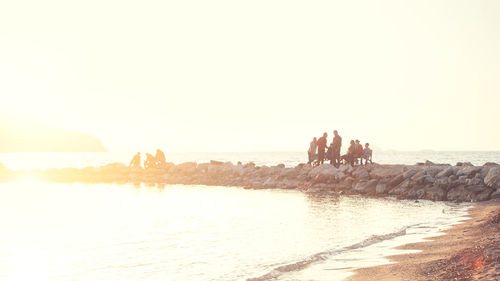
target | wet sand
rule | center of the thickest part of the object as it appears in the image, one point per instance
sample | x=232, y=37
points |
x=468, y=251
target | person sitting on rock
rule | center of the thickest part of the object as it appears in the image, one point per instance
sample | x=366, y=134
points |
x=160, y=159
x=136, y=161
x=367, y=154
x=149, y=162
x=311, y=153
x=350, y=155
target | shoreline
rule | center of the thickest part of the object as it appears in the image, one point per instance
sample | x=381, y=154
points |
x=468, y=251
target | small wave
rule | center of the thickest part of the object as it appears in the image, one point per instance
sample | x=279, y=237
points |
x=296, y=266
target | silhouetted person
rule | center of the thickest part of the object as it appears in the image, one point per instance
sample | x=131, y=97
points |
x=321, y=148
x=359, y=151
x=367, y=154
x=160, y=159
x=329, y=154
x=136, y=161
x=149, y=162
x=351, y=153
x=337, y=143
x=311, y=153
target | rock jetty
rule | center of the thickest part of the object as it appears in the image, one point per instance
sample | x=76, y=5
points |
x=462, y=182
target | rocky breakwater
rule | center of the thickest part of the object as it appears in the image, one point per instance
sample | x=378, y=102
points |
x=462, y=182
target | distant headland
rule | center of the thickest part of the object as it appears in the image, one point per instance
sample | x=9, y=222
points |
x=35, y=136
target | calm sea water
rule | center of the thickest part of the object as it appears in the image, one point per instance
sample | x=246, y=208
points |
x=123, y=232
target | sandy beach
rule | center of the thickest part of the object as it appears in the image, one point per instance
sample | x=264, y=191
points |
x=468, y=251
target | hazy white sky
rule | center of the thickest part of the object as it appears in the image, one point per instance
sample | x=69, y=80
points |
x=256, y=75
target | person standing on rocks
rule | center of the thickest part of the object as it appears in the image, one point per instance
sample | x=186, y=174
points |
x=359, y=151
x=312, y=150
x=337, y=143
x=321, y=148
x=367, y=154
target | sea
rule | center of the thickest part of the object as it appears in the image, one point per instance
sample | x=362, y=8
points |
x=77, y=232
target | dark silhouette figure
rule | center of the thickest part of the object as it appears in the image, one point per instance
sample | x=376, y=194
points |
x=149, y=162
x=136, y=161
x=160, y=159
x=367, y=154
x=311, y=153
x=359, y=151
x=351, y=154
x=321, y=148
x=329, y=153
x=337, y=143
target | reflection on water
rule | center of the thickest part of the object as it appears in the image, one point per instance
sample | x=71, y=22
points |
x=111, y=232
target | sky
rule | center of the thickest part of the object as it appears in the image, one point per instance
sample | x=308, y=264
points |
x=256, y=75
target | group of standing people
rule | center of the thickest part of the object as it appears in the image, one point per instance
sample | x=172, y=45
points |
x=354, y=152
x=151, y=161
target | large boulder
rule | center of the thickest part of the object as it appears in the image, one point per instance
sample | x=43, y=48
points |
x=484, y=195
x=305, y=170
x=435, y=193
x=417, y=175
x=429, y=179
x=476, y=188
x=486, y=168
x=460, y=194
x=366, y=186
x=361, y=174
x=396, y=180
x=495, y=194
x=270, y=182
x=415, y=192
x=346, y=183
x=238, y=170
x=442, y=183
x=434, y=170
x=324, y=173
x=492, y=179
x=345, y=168
x=402, y=188
x=418, y=179
x=410, y=173
x=446, y=172
x=387, y=171
x=288, y=184
x=468, y=171
x=382, y=188
x=290, y=173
